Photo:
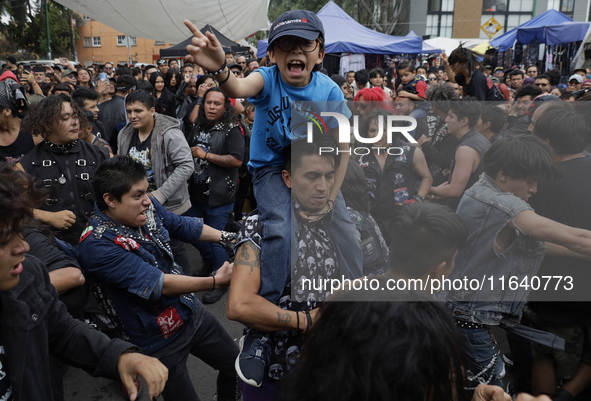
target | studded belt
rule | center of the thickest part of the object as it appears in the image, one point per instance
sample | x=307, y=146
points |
x=468, y=325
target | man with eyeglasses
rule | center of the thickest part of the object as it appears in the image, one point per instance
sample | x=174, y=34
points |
x=109, y=69
x=532, y=71
x=236, y=69
x=574, y=83
x=252, y=64
x=241, y=61
x=543, y=82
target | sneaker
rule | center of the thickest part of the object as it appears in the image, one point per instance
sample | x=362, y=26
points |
x=253, y=359
x=212, y=296
x=508, y=359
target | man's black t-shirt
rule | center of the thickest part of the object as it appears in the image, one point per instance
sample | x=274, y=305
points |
x=566, y=201
x=140, y=151
x=16, y=150
x=479, y=87
x=199, y=186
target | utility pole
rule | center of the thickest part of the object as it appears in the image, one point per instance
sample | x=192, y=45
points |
x=47, y=27
x=72, y=36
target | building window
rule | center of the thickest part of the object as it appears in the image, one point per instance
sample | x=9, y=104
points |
x=564, y=6
x=159, y=42
x=96, y=41
x=121, y=40
x=508, y=13
x=85, y=18
x=440, y=18
x=87, y=42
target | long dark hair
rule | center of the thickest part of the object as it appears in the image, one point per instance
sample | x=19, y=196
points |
x=463, y=55
x=153, y=78
x=179, y=78
x=399, y=347
x=229, y=116
x=19, y=195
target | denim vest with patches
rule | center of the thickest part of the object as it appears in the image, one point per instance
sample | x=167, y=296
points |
x=486, y=210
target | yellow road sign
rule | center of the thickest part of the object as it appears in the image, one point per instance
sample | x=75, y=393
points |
x=491, y=27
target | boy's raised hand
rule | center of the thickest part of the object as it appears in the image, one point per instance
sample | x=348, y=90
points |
x=205, y=50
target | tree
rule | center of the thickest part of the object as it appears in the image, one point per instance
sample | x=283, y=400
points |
x=386, y=16
x=25, y=29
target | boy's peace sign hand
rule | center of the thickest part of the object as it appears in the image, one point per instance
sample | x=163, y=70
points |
x=205, y=50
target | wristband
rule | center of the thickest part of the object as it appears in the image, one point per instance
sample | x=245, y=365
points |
x=227, y=77
x=206, y=156
x=309, y=317
x=226, y=240
x=213, y=285
x=419, y=198
x=199, y=100
x=305, y=322
x=220, y=70
x=298, y=320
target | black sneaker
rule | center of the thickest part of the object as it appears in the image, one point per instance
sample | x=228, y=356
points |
x=212, y=296
x=508, y=359
x=253, y=359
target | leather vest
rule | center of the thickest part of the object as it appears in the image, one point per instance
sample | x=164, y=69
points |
x=223, y=185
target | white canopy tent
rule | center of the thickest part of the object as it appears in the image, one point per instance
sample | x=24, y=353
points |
x=448, y=45
x=158, y=20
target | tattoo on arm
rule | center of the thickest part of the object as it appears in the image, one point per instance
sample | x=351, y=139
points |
x=222, y=160
x=283, y=317
x=248, y=255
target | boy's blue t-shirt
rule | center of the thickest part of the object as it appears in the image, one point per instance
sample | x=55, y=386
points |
x=272, y=129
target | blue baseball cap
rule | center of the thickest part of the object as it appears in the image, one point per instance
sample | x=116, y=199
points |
x=298, y=23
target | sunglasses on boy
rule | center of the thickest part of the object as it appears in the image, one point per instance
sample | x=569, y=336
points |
x=287, y=44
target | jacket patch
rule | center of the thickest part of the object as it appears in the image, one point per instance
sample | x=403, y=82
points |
x=87, y=231
x=128, y=244
x=169, y=322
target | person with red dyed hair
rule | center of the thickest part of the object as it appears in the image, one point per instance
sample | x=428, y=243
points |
x=370, y=99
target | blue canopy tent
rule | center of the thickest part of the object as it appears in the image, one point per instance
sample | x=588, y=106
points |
x=345, y=35
x=566, y=32
x=533, y=28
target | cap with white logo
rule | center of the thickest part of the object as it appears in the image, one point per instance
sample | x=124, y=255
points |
x=298, y=23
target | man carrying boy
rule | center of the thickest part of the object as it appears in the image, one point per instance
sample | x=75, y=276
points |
x=296, y=47
x=506, y=239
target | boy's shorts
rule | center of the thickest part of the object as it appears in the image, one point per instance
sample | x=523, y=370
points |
x=577, y=347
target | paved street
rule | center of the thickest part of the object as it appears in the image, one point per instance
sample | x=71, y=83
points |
x=79, y=385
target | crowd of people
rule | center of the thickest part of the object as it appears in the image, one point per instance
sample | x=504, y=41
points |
x=107, y=174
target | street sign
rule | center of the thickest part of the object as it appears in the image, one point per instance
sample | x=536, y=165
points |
x=491, y=27
x=127, y=41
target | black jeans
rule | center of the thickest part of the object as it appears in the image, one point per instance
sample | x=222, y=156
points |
x=181, y=257
x=214, y=346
